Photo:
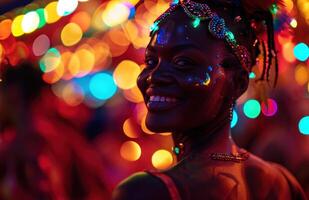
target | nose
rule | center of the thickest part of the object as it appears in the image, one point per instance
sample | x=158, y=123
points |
x=160, y=76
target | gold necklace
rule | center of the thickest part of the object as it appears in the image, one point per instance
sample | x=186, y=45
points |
x=237, y=157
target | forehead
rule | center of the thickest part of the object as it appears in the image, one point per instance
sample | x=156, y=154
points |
x=178, y=30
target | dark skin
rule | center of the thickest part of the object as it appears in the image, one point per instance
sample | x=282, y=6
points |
x=203, y=77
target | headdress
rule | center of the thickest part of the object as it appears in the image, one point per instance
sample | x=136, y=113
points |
x=256, y=11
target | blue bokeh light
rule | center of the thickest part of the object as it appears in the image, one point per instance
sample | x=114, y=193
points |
x=301, y=51
x=303, y=125
x=102, y=86
x=234, y=119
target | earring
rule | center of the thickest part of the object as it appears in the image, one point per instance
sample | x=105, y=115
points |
x=231, y=109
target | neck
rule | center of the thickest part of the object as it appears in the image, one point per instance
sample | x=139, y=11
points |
x=211, y=138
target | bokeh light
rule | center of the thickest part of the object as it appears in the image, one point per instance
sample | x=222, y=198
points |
x=303, y=125
x=41, y=14
x=86, y=61
x=50, y=12
x=162, y=159
x=83, y=19
x=301, y=74
x=270, y=108
x=30, y=22
x=144, y=127
x=51, y=60
x=130, y=151
x=126, y=73
x=40, y=45
x=5, y=27
x=1, y=53
x=252, y=108
x=71, y=34
x=66, y=7
x=130, y=128
x=287, y=52
x=133, y=94
x=17, y=27
x=293, y=23
x=115, y=13
x=72, y=94
x=102, y=86
x=301, y=51
x=234, y=119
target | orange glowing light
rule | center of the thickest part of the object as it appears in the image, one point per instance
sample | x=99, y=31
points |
x=130, y=129
x=130, y=151
x=5, y=27
x=71, y=34
x=73, y=94
x=102, y=55
x=134, y=95
x=83, y=19
x=144, y=127
x=130, y=30
x=288, y=52
x=115, y=49
x=86, y=61
x=118, y=37
x=55, y=75
x=162, y=159
x=1, y=52
x=140, y=111
x=288, y=5
x=301, y=74
x=126, y=73
x=97, y=21
x=74, y=65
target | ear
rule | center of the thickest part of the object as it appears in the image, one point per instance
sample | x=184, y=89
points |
x=241, y=82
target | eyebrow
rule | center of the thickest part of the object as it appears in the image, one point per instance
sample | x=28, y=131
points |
x=174, y=49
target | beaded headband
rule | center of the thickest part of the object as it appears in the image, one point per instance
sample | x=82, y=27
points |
x=216, y=26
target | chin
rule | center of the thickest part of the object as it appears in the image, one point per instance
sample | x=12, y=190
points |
x=160, y=123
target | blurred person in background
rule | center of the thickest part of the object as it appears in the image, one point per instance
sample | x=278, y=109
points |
x=43, y=150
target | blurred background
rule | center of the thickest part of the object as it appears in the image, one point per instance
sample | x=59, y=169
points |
x=72, y=121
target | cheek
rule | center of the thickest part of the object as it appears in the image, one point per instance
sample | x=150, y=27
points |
x=142, y=81
x=206, y=92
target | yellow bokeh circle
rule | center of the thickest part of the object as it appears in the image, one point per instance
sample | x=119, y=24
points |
x=126, y=73
x=17, y=27
x=50, y=12
x=71, y=34
x=162, y=159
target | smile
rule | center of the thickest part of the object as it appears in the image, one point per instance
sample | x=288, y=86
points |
x=162, y=99
x=161, y=103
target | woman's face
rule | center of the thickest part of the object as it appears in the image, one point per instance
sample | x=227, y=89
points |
x=184, y=84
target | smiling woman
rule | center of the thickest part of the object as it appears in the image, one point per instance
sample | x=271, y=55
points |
x=195, y=70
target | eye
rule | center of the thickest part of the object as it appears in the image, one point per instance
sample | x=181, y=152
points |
x=151, y=62
x=184, y=63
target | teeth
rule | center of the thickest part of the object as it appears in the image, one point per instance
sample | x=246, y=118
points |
x=162, y=99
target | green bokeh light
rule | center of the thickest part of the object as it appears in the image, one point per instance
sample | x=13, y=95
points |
x=252, y=108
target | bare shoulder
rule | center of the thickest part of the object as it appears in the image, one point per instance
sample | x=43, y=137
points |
x=273, y=180
x=140, y=186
